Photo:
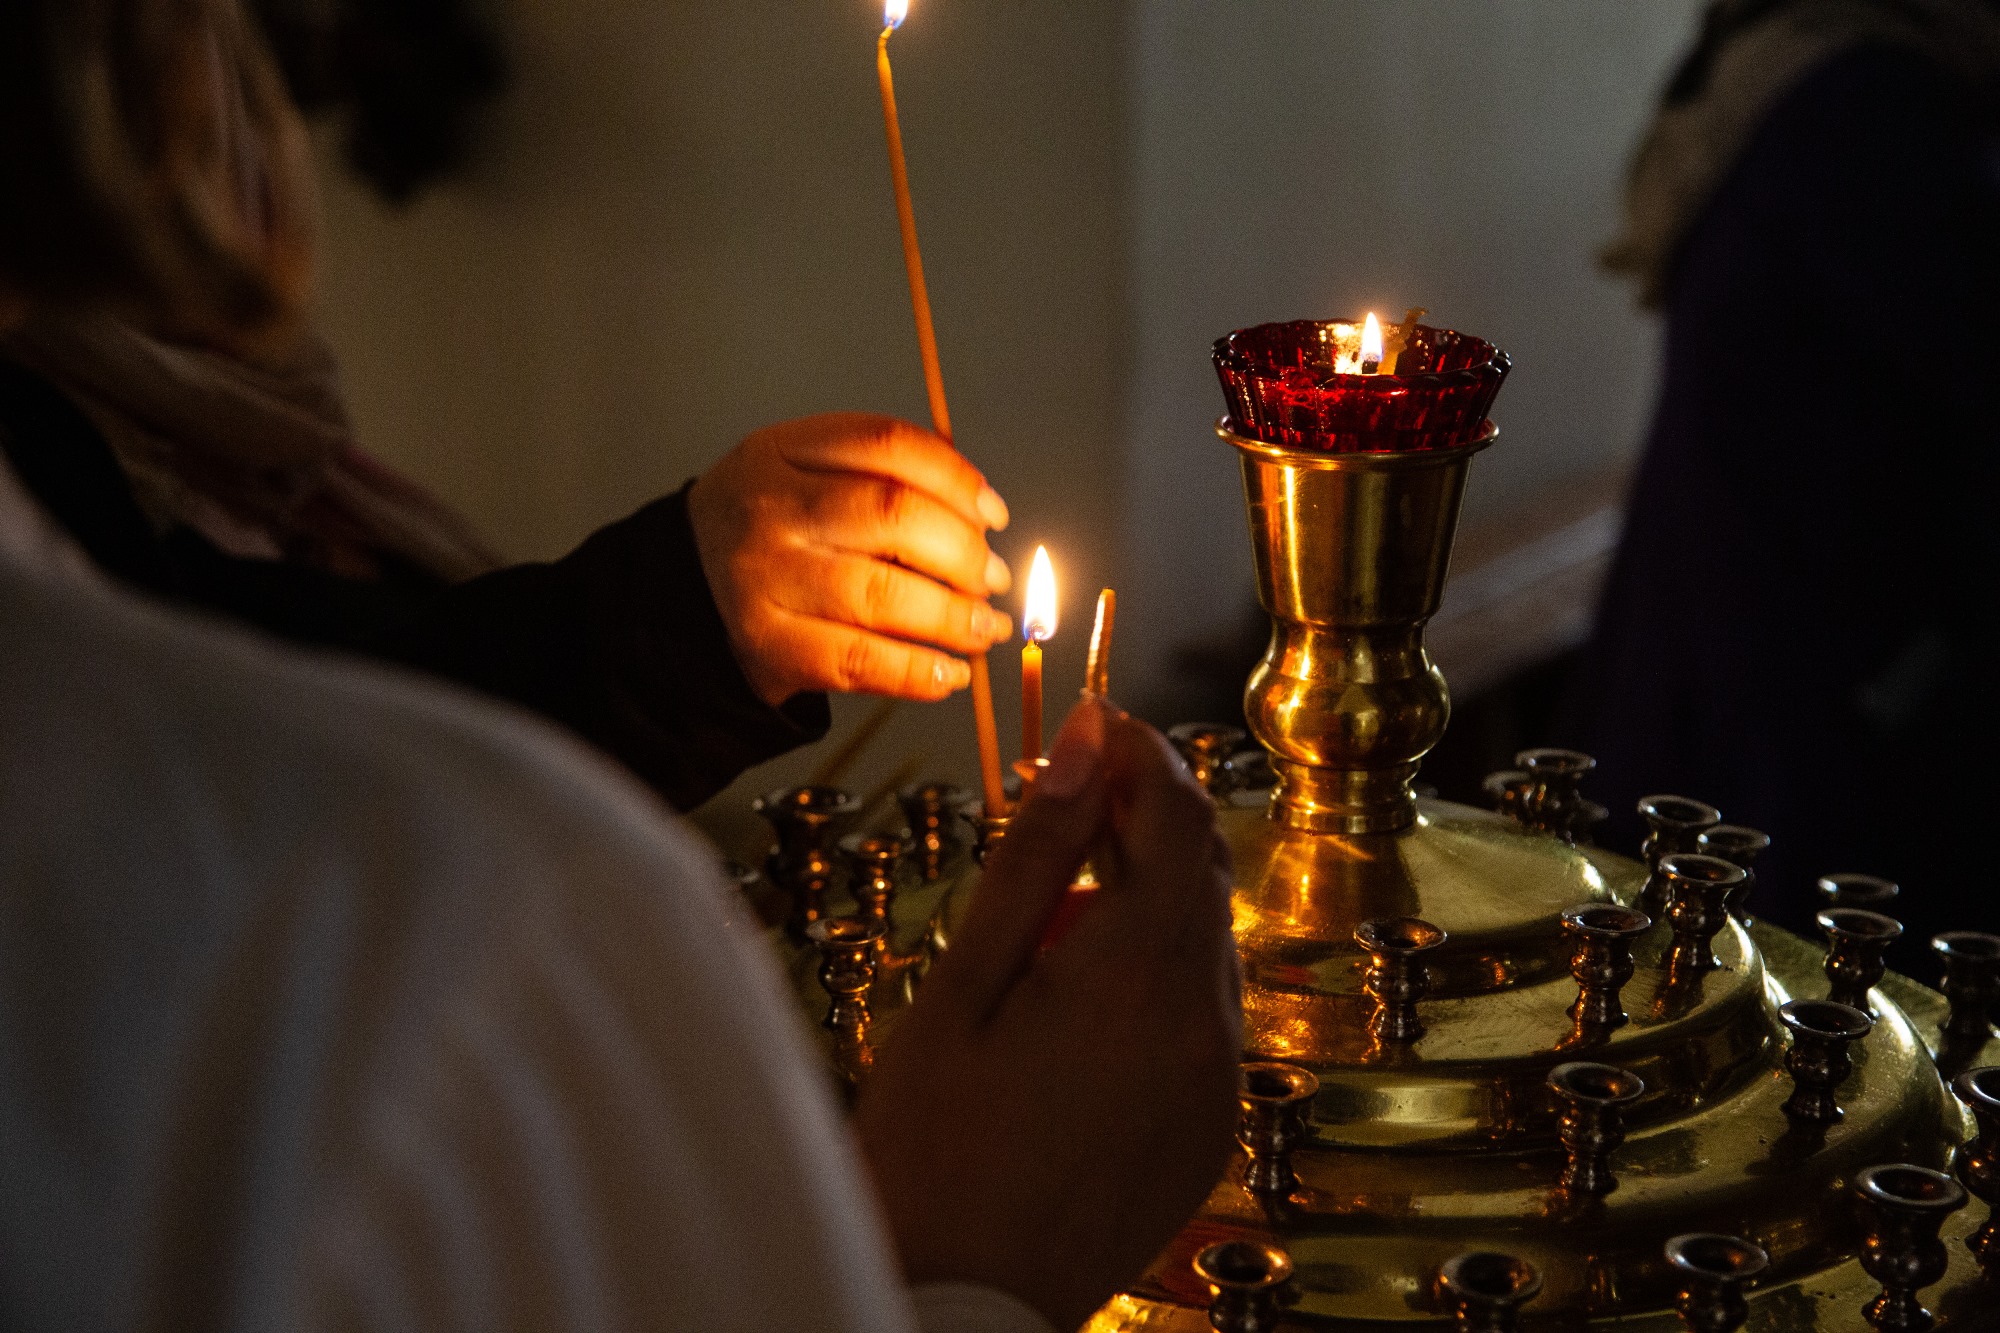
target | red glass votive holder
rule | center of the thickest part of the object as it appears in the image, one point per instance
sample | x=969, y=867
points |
x=1283, y=388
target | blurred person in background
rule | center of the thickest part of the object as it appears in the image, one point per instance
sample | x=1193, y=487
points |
x=207, y=456
x=1800, y=625
x=335, y=998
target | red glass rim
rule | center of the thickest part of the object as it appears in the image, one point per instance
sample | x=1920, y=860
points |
x=1282, y=388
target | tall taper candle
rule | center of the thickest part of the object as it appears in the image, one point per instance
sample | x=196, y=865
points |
x=1031, y=701
x=893, y=12
x=1038, y=622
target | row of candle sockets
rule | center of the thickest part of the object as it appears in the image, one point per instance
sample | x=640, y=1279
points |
x=1484, y=1290
x=1700, y=869
x=1906, y=1207
x=1699, y=890
x=816, y=853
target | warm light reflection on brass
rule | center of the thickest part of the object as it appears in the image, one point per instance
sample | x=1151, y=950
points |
x=1351, y=551
x=1450, y=1143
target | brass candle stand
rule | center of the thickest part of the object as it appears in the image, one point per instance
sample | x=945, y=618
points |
x=1464, y=1027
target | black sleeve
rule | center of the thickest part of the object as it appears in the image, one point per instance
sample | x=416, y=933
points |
x=620, y=640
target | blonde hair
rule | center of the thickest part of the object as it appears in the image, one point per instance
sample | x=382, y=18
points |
x=153, y=162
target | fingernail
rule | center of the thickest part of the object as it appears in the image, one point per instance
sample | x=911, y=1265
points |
x=998, y=577
x=992, y=508
x=953, y=674
x=995, y=626
x=1073, y=758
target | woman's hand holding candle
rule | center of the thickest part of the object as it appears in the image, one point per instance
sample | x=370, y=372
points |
x=1046, y=1119
x=848, y=552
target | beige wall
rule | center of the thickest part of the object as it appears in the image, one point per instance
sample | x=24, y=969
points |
x=682, y=229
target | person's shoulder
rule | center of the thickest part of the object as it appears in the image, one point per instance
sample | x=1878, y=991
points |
x=286, y=741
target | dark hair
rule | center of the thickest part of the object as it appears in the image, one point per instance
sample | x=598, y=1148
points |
x=408, y=76
x=55, y=238
x=109, y=187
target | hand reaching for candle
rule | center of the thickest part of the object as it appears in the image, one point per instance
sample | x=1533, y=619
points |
x=1044, y=1124
x=848, y=552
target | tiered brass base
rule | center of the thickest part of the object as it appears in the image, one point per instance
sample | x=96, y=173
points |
x=1418, y=1151
x=1422, y=1152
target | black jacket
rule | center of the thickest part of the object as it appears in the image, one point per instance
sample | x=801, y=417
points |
x=620, y=640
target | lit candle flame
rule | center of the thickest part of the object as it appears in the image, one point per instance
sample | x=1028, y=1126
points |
x=1371, y=345
x=894, y=12
x=1038, y=610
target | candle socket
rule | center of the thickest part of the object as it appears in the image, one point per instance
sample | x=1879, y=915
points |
x=1856, y=941
x=930, y=808
x=1591, y=1099
x=1396, y=978
x=1818, y=1060
x=1871, y=892
x=1971, y=982
x=1583, y=830
x=1246, y=1285
x=988, y=831
x=1713, y=1271
x=1206, y=748
x=1275, y=1101
x=1698, y=888
x=872, y=859
x=807, y=821
x=1978, y=1159
x=1602, y=935
x=1905, y=1206
x=1505, y=790
x=1673, y=826
x=1740, y=847
x=1553, y=801
x=1485, y=1291
x=765, y=899
x=1250, y=770
x=847, y=947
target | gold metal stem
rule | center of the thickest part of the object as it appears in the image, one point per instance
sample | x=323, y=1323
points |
x=1351, y=554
